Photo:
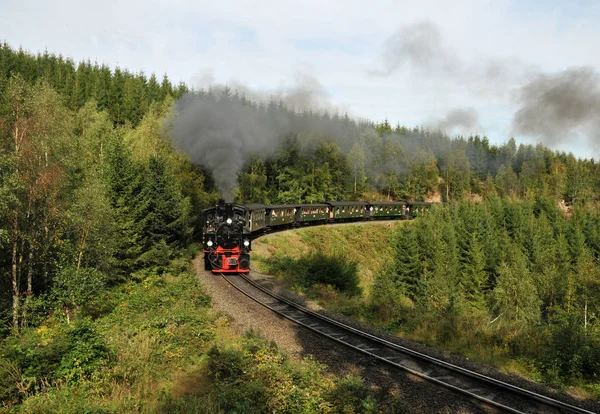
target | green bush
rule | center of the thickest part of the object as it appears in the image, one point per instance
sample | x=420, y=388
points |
x=255, y=377
x=37, y=358
x=30, y=360
x=157, y=258
x=351, y=395
x=571, y=353
x=86, y=353
x=336, y=270
x=74, y=288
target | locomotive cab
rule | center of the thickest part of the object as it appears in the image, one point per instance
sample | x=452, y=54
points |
x=226, y=239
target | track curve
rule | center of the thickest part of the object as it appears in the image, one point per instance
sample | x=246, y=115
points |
x=490, y=391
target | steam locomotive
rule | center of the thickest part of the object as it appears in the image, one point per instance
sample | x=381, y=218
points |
x=226, y=238
x=230, y=228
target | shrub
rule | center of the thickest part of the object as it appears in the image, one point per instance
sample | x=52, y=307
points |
x=157, y=258
x=73, y=288
x=572, y=353
x=30, y=360
x=255, y=377
x=86, y=352
x=40, y=357
x=351, y=395
x=336, y=270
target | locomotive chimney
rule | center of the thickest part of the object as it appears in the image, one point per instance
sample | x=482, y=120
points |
x=229, y=210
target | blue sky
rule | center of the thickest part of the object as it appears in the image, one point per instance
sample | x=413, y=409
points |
x=269, y=45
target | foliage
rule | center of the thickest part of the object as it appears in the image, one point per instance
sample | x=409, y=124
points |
x=255, y=377
x=39, y=358
x=125, y=95
x=506, y=281
x=97, y=211
x=73, y=288
x=571, y=351
x=336, y=270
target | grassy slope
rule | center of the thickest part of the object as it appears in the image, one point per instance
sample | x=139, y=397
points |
x=367, y=243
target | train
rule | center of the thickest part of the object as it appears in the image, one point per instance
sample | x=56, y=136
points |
x=230, y=228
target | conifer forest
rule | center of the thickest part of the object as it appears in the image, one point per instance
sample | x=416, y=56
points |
x=100, y=217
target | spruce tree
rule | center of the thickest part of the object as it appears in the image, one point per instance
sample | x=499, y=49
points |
x=162, y=212
x=408, y=274
x=515, y=296
x=474, y=277
x=124, y=178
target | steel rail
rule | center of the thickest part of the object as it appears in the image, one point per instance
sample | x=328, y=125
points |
x=481, y=394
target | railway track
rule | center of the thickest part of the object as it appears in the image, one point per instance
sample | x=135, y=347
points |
x=486, y=390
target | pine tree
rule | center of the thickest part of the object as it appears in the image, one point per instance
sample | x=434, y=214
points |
x=125, y=183
x=164, y=212
x=154, y=91
x=116, y=97
x=166, y=89
x=515, y=295
x=474, y=277
x=408, y=274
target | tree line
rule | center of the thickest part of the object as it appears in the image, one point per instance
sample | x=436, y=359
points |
x=125, y=96
x=529, y=271
x=418, y=165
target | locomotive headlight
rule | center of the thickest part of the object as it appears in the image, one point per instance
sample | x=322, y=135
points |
x=229, y=221
x=209, y=243
x=246, y=243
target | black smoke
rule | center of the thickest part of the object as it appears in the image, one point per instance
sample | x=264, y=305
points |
x=550, y=107
x=558, y=106
x=220, y=135
x=221, y=131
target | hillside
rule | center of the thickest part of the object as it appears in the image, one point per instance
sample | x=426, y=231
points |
x=100, y=213
x=457, y=280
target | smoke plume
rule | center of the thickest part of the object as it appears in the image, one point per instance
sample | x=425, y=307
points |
x=220, y=132
x=556, y=107
x=420, y=46
x=551, y=107
x=220, y=135
x=463, y=120
x=306, y=92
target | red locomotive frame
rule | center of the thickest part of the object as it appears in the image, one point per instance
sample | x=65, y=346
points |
x=223, y=260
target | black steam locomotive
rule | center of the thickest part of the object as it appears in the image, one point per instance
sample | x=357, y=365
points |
x=229, y=228
x=226, y=238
